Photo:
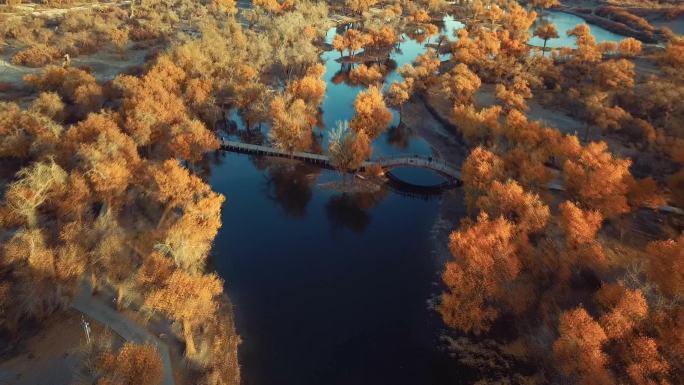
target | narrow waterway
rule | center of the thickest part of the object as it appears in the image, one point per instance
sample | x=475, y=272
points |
x=332, y=288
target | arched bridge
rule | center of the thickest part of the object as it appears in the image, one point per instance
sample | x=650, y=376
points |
x=439, y=166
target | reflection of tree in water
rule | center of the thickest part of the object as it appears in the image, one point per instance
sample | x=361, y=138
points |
x=208, y=162
x=288, y=183
x=399, y=136
x=351, y=209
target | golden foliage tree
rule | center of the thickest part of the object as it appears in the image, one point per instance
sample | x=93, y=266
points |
x=485, y=260
x=187, y=298
x=372, y=115
x=133, y=365
x=598, y=179
x=578, y=349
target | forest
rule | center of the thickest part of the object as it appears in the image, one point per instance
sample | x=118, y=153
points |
x=567, y=266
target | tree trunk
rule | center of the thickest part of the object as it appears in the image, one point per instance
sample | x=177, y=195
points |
x=119, y=297
x=187, y=334
x=93, y=282
x=544, y=49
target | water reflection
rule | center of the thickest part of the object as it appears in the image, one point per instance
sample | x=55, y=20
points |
x=399, y=136
x=565, y=22
x=352, y=210
x=288, y=183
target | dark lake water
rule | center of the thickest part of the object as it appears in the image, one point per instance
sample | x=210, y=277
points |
x=332, y=288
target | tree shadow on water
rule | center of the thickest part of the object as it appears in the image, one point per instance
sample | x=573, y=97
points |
x=352, y=210
x=288, y=183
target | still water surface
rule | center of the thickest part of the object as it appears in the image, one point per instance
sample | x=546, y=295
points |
x=333, y=288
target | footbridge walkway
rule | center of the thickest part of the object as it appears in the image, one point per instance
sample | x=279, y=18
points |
x=439, y=166
x=386, y=163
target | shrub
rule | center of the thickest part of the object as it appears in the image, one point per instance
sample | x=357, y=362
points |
x=36, y=56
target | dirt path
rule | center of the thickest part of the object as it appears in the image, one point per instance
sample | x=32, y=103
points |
x=126, y=328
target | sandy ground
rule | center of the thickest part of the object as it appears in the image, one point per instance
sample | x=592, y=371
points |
x=53, y=356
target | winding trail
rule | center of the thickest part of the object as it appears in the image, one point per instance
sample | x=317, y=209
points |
x=126, y=328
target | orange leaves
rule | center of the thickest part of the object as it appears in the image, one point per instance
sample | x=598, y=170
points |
x=673, y=55
x=485, y=259
x=351, y=40
x=349, y=149
x=291, y=123
x=310, y=88
x=133, y=365
x=513, y=203
x=367, y=75
x=578, y=348
x=645, y=365
x=630, y=47
x=191, y=140
x=187, y=297
x=372, y=115
x=477, y=126
x=645, y=193
x=546, y=31
x=666, y=265
x=400, y=93
x=153, y=104
x=460, y=84
x=625, y=309
x=615, y=74
x=579, y=226
x=598, y=180
x=480, y=169
x=424, y=73
x=384, y=37
x=359, y=6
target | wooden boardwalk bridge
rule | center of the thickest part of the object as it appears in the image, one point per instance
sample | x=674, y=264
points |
x=452, y=175
x=386, y=163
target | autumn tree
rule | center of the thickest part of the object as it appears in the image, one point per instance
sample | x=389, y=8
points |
x=479, y=171
x=366, y=75
x=400, y=93
x=674, y=53
x=37, y=184
x=546, y=32
x=478, y=126
x=133, y=365
x=485, y=260
x=359, y=6
x=460, y=84
x=666, y=265
x=351, y=40
x=173, y=186
x=625, y=309
x=579, y=226
x=424, y=71
x=291, y=124
x=630, y=47
x=311, y=87
x=512, y=202
x=544, y=3
x=349, y=149
x=578, y=349
x=372, y=115
x=189, y=236
x=598, y=179
x=187, y=298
